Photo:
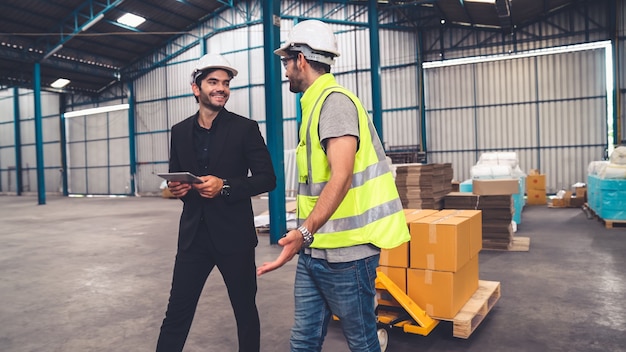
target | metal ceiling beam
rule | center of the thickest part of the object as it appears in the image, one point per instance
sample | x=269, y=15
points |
x=469, y=17
x=187, y=3
x=27, y=56
x=157, y=57
x=83, y=17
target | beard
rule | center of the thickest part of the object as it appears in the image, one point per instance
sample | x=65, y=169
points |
x=213, y=103
x=295, y=83
x=293, y=88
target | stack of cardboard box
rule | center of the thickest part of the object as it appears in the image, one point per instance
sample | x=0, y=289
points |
x=571, y=199
x=495, y=199
x=423, y=186
x=497, y=213
x=438, y=268
x=536, y=188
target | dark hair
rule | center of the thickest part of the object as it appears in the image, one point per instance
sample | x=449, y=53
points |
x=319, y=67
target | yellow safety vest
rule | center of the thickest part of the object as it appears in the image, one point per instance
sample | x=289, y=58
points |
x=371, y=211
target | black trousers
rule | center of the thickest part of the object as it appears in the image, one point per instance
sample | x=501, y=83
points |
x=191, y=269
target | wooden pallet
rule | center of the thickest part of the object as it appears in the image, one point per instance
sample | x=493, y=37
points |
x=518, y=244
x=608, y=223
x=476, y=308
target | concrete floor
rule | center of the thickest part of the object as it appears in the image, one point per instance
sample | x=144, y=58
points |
x=93, y=274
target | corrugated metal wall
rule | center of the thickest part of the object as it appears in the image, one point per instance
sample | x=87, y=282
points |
x=7, y=142
x=50, y=138
x=400, y=89
x=494, y=106
x=550, y=110
x=98, y=157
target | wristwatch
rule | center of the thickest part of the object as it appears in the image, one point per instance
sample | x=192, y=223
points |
x=307, y=236
x=225, y=192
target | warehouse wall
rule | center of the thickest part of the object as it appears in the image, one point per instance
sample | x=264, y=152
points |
x=50, y=138
x=550, y=110
x=500, y=105
x=98, y=153
x=508, y=105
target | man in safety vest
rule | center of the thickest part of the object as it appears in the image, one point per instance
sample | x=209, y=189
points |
x=348, y=206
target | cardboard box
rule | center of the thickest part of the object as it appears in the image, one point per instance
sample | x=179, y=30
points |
x=562, y=202
x=536, y=182
x=442, y=294
x=536, y=197
x=576, y=202
x=581, y=192
x=495, y=187
x=397, y=275
x=395, y=257
x=399, y=256
x=476, y=226
x=475, y=218
x=167, y=194
x=416, y=214
x=439, y=243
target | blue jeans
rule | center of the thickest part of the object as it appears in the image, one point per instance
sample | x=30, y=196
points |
x=344, y=289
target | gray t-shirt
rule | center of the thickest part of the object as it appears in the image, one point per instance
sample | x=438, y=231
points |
x=338, y=118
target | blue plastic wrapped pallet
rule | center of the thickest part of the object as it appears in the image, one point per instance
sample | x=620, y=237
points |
x=466, y=186
x=607, y=197
x=519, y=201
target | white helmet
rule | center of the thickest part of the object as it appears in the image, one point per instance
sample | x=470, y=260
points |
x=315, y=39
x=211, y=61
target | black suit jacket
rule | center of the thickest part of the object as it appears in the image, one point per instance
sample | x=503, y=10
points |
x=239, y=154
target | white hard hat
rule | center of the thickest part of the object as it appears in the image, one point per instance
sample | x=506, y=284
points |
x=315, y=39
x=211, y=61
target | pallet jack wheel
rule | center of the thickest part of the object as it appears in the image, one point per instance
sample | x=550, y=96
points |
x=383, y=339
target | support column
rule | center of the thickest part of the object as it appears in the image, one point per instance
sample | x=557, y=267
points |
x=377, y=113
x=41, y=183
x=132, y=149
x=274, y=117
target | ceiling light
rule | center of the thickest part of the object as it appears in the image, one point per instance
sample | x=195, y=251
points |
x=483, y=1
x=60, y=83
x=98, y=110
x=131, y=20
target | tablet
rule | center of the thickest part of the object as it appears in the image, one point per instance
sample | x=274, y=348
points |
x=184, y=177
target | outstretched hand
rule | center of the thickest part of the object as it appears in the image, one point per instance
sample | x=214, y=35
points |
x=291, y=243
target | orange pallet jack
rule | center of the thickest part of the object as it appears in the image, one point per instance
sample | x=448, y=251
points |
x=397, y=310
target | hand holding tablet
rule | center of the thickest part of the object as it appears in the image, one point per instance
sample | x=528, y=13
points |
x=183, y=177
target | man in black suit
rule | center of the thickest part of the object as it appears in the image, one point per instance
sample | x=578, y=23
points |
x=217, y=222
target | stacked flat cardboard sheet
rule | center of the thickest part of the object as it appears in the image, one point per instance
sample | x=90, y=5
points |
x=423, y=186
x=497, y=213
